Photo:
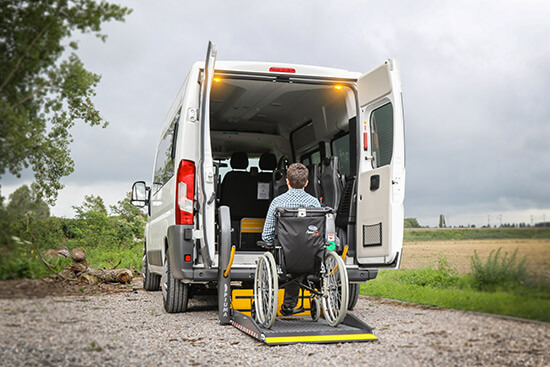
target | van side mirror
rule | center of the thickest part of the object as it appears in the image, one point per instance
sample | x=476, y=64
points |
x=139, y=194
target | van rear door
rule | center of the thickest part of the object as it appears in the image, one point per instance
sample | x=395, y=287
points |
x=381, y=178
x=206, y=172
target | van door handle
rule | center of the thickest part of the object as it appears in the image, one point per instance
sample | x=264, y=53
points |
x=374, y=182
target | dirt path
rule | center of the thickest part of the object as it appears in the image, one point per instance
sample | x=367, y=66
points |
x=419, y=254
x=131, y=328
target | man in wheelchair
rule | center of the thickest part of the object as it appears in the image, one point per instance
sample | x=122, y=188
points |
x=295, y=197
x=300, y=240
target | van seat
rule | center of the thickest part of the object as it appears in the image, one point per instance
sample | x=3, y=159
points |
x=268, y=163
x=236, y=184
x=314, y=185
x=247, y=194
x=331, y=182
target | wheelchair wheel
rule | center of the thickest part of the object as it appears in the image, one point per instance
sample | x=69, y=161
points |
x=335, y=288
x=315, y=308
x=266, y=290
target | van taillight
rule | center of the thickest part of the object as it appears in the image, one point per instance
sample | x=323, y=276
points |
x=282, y=70
x=185, y=192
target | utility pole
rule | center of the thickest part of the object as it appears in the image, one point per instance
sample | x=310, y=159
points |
x=489, y=220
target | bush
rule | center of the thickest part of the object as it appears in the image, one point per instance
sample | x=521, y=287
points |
x=496, y=271
x=444, y=276
x=108, y=239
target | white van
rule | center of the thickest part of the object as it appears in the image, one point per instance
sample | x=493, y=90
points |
x=228, y=137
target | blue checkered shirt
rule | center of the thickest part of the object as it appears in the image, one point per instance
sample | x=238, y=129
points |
x=293, y=198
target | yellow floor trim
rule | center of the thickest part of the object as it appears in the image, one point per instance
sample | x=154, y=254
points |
x=242, y=301
x=319, y=338
x=252, y=225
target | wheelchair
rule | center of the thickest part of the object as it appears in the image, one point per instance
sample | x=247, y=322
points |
x=304, y=251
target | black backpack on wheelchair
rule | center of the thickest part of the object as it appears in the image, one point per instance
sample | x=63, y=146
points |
x=305, y=244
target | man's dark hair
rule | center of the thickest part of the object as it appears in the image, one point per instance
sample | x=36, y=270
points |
x=297, y=175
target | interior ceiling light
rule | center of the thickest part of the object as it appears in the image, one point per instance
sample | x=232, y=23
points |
x=338, y=86
x=217, y=79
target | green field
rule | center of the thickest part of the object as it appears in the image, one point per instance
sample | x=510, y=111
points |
x=443, y=234
x=519, y=288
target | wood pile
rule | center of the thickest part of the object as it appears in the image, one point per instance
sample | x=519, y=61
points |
x=80, y=269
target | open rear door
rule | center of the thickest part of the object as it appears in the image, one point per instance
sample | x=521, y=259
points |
x=381, y=179
x=206, y=171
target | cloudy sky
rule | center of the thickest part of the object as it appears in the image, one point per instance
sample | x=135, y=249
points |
x=475, y=77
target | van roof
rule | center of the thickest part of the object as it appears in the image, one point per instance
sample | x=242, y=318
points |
x=263, y=67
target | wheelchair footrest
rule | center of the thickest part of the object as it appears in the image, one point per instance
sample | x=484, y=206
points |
x=294, y=311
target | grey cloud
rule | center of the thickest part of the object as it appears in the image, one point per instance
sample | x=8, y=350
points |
x=475, y=85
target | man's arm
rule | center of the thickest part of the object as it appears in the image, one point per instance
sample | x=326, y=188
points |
x=268, y=234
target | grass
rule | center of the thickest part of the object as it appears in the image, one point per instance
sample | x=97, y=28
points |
x=475, y=234
x=527, y=304
x=442, y=286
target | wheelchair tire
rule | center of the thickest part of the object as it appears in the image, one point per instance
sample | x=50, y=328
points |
x=335, y=289
x=354, y=290
x=266, y=290
x=315, y=308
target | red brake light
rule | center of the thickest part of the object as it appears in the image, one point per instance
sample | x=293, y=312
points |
x=282, y=70
x=185, y=192
x=365, y=141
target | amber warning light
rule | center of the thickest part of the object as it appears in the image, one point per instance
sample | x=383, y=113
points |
x=282, y=70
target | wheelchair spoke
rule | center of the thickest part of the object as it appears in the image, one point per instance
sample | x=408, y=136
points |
x=266, y=290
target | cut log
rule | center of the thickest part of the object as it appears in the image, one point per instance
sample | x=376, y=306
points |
x=78, y=254
x=102, y=275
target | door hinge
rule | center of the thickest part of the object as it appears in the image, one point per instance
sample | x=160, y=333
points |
x=192, y=114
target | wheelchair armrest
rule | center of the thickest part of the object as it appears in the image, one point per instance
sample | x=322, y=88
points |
x=265, y=245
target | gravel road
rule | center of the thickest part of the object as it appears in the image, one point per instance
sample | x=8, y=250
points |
x=131, y=328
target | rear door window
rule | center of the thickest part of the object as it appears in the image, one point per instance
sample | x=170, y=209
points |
x=381, y=122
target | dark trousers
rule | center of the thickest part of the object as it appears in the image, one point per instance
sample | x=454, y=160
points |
x=292, y=293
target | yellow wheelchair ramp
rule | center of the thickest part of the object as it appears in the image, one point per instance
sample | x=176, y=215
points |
x=299, y=328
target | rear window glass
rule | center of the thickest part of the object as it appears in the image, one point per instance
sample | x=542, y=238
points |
x=381, y=122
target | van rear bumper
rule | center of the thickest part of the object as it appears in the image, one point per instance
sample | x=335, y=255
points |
x=180, y=245
x=247, y=274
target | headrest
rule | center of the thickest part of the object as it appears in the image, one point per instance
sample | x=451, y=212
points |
x=239, y=160
x=268, y=162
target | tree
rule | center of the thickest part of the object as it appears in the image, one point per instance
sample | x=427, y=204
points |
x=42, y=92
x=442, y=223
x=25, y=201
x=411, y=223
x=93, y=207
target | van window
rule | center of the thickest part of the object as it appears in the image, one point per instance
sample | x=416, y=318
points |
x=164, y=164
x=311, y=158
x=316, y=157
x=340, y=149
x=381, y=122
